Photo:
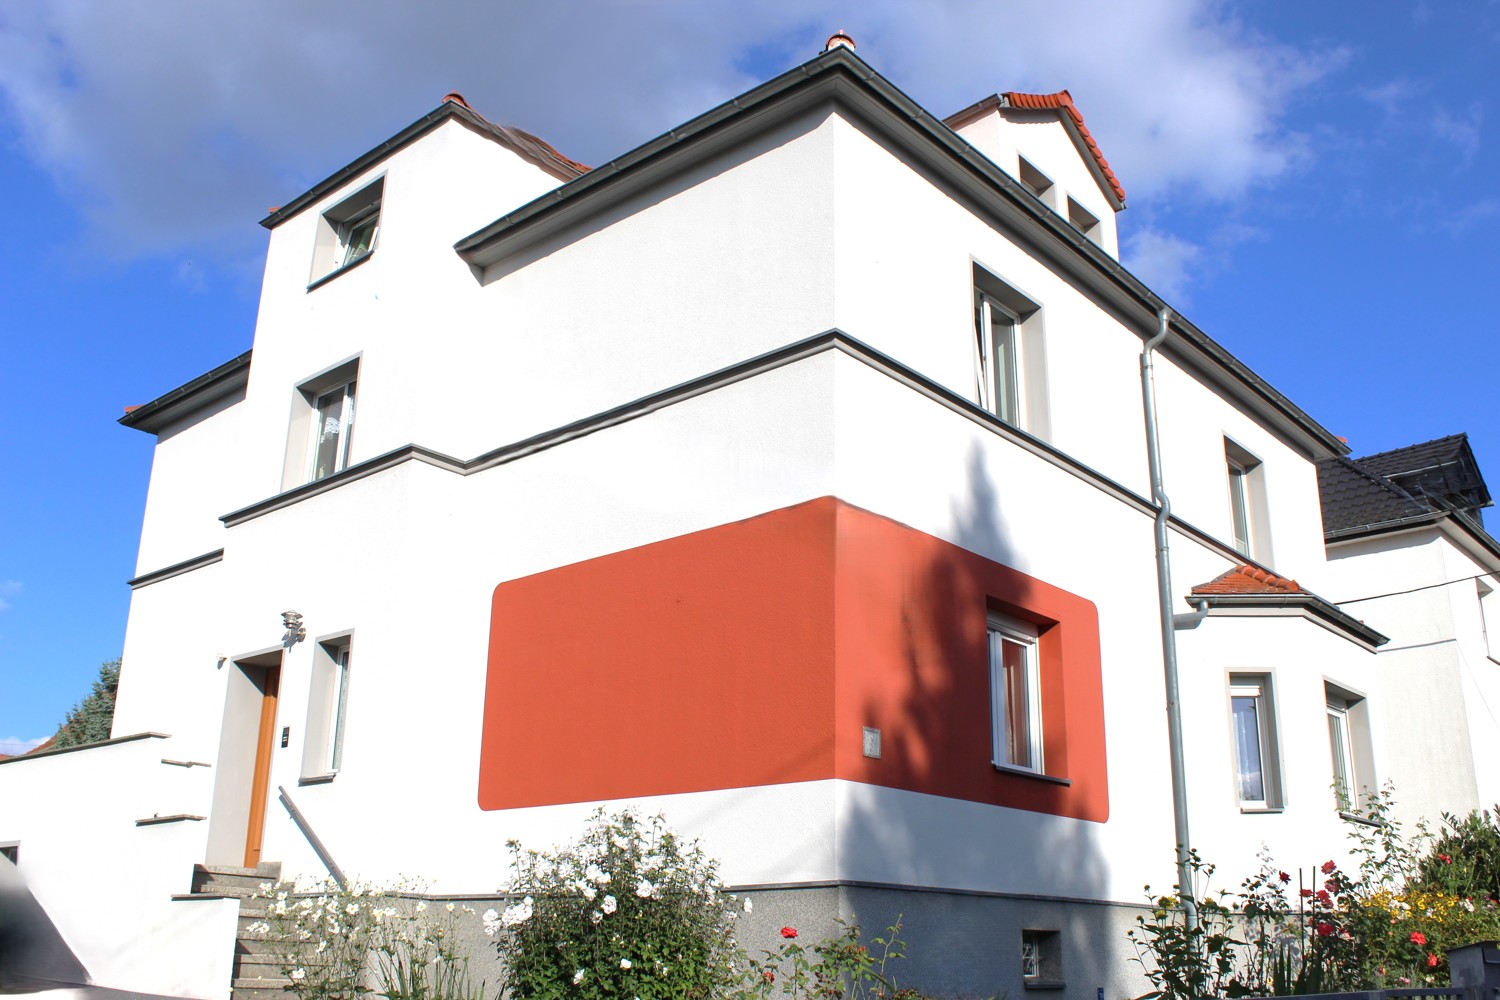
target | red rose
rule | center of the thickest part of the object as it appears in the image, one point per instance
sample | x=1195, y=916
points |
x=1285, y=877
x=789, y=932
x=1306, y=893
x=1417, y=937
x=1324, y=928
x=1445, y=859
x=770, y=976
x=1329, y=867
x=1432, y=960
x=1331, y=886
x=1323, y=897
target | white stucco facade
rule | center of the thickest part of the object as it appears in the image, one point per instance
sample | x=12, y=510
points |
x=772, y=309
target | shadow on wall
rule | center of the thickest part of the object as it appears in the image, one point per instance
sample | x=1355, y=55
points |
x=1030, y=844
x=33, y=954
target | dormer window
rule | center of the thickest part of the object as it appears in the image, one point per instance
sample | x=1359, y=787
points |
x=1035, y=181
x=1083, y=220
x=347, y=233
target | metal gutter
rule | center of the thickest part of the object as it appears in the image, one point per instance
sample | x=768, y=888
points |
x=1311, y=604
x=839, y=75
x=206, y=388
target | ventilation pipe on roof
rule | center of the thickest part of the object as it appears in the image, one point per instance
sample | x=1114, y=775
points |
x=1168, y=625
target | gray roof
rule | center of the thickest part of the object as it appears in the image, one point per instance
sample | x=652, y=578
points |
x=1395, y=487
x=1354, y=497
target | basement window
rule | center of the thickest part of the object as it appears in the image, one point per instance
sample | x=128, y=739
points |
x=1041, y=960
x=347, y=234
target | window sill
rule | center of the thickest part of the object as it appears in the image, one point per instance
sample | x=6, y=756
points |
x=317, y=779
x=1022, y=772
x=1361, y=820
x=343, y=269
x=1253, y=810
x=1044, y=984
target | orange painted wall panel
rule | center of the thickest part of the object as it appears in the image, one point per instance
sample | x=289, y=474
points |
x=756, y=652
x=698, y=662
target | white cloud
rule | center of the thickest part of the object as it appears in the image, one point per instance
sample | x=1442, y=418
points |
x=1460, y=129
x=1166, y=263
x=8, y=589
x=175, y=124
x=14, y=746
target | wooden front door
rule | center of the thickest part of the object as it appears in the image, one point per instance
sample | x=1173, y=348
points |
x=261, y=783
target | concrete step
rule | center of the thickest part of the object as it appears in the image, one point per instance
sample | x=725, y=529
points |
x=270, y=871
x=248, y=945
x=262, y=989
x=240, y=884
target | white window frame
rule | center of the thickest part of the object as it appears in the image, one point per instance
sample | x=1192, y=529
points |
x=1487, y=605
x=1003, y=632
x=327, y=708
x=337, y=246
x=1001, y=388
x=1350, y=753
x=1341, y=753
x=1083, y=220
x=1249, y=508
x=345, y=431
x=1258, y=688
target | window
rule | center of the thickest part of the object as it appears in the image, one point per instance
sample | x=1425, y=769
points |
x=333, y=426
x=1083, y=220
x=1015, y=694
x=347, y=233
x=1041, y=959
x=1035, y=181
x=11, y=852
x=327, y=709
x=1248, y=511
x=999, y=385
x=1009, y=355
x=1349, y=748
x=321, y=428
x=1252, y=720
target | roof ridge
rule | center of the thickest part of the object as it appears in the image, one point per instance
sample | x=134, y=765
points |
x=1063, y=101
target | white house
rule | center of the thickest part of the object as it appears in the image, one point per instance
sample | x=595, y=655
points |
x=788, y=475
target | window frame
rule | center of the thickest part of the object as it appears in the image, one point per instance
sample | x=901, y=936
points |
x=1037, y=182
x=345, y=431
x=327, y=708
x=1260, y=688
x=1025, y=377
x=1347, y=713
x=336, y=246
x=304, y=424
x=1000, y=391
x=1248, y=503
x=1002, y=630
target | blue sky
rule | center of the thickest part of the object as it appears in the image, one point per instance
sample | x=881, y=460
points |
x=1311, y=183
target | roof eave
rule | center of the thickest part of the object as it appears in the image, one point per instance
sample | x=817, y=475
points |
x=1325, y=613
x=560, y=168
x=1046, y=232
x=179, y=402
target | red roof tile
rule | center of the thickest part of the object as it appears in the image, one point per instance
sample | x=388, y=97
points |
x=1063, y=101
x=1247, y=579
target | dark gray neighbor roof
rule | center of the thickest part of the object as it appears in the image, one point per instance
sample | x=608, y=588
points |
x=1353, y=497
x=1444, y=469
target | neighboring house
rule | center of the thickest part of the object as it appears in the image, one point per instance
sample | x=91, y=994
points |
x=1410, y=556
x=786, y=474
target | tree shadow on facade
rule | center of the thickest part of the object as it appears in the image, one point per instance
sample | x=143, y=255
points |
x=999, y=854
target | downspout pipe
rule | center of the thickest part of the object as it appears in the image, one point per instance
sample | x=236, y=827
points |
x=1168, y=623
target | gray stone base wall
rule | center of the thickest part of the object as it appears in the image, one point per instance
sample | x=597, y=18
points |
x=959, y=946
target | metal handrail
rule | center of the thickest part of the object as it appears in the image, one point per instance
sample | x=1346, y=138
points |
x=313, y=838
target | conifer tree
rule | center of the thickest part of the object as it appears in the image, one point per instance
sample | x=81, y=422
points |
x=90, y=719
